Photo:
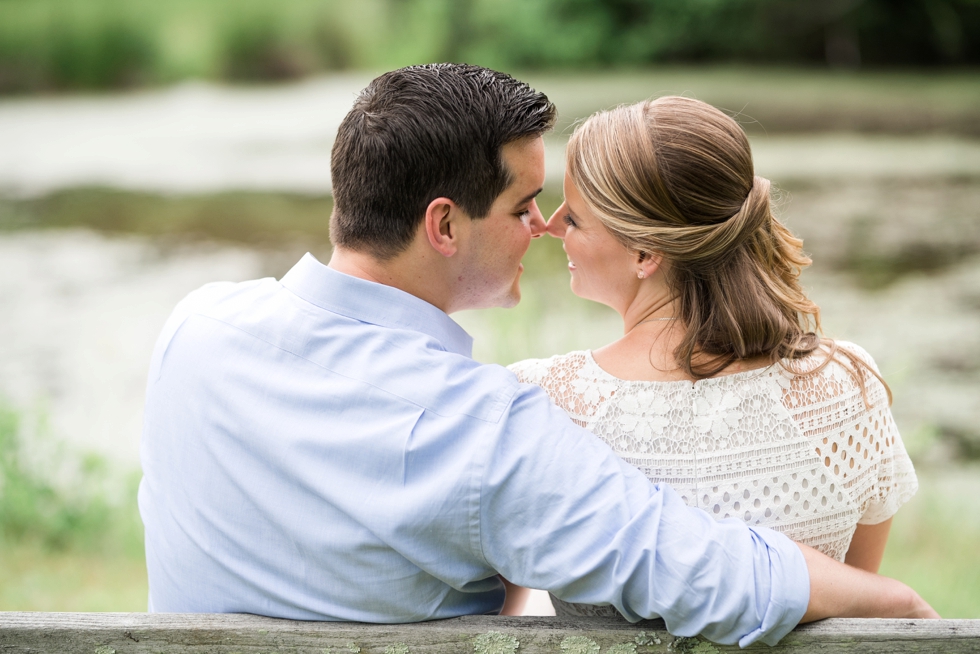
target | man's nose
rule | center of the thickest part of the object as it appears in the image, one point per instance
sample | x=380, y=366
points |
x=536, y=221
x=556, y=224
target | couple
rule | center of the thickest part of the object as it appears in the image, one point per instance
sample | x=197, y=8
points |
x=323, y=447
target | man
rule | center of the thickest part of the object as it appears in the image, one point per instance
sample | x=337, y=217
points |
x=324, y=447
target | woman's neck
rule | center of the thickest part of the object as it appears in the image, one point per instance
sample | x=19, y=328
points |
x=646, y=351
x=653, y=328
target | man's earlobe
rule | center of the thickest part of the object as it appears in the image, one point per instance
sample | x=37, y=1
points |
x=441, y=225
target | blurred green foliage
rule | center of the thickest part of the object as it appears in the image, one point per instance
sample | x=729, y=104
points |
x=70, y=533
x=253, y=218
x=57, y=46
x=100, y=44
x=76, y=514
x=588, y=33
x=934, y=539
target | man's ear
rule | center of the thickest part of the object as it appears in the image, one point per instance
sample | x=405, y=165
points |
x=442, y=226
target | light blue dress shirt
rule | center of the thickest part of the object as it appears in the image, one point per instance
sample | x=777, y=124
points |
x=325, y=448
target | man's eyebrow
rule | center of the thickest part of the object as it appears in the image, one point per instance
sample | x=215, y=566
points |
x=530, y=197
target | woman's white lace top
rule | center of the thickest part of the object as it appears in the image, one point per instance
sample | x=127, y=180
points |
x=802, y=454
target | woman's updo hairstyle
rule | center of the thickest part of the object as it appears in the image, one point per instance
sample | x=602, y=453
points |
x=674, y=177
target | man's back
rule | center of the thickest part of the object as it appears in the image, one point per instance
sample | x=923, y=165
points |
x=310, y=435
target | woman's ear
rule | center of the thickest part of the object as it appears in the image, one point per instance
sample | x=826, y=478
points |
x=442, y=226
x=647, y=264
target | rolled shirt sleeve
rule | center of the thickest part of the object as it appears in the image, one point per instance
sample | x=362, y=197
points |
x=561, y=512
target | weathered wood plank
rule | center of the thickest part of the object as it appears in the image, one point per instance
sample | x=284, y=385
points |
x=145, y=633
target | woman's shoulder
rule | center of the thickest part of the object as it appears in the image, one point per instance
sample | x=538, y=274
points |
x=859, y=353
x=839, y=376
x=537, y=371
x=837, y=360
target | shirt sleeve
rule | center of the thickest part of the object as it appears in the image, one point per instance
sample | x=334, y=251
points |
x=561, y=512
x=894, y=482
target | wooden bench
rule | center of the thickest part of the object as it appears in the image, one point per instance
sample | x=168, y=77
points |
x=122, y=633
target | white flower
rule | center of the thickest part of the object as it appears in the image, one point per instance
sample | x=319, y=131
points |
x=715, y=412
x=628, y=421
x=592, y=391
x=657, y=424
x=630, y=404
x=531, y=371
x=659, y=405
x=642, y=431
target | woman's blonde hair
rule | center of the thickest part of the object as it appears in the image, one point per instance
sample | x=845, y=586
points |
x=674, y=177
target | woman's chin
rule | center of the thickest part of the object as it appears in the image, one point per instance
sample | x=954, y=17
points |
x=577, y=290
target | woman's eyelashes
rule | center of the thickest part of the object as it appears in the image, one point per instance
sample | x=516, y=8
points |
x=568, y=220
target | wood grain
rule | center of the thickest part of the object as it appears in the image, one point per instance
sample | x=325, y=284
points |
x=124, y=633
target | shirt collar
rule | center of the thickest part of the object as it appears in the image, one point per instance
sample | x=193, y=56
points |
x=374, y=303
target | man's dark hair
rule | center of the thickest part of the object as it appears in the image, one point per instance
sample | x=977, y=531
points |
x=423, y=132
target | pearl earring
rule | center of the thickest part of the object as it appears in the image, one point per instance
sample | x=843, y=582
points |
x=641, y=274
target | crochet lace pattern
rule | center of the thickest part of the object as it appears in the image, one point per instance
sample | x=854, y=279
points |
x=802, y=454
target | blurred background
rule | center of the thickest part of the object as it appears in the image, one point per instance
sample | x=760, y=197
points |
x=147, y=148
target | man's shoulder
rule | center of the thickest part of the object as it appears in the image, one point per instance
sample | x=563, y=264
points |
x=260, y=319
x=216, y=295
x=205, y=300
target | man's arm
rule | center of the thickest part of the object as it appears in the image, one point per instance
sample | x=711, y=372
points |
x=836, y=590
x=561, y=512
x=843, y=591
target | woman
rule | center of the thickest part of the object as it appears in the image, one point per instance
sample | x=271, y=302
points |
x=719, y=385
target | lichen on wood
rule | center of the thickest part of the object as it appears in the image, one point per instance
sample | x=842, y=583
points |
x=579, y=645
x=494, y=642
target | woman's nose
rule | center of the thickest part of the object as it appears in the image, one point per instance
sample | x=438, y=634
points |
x=556, y=224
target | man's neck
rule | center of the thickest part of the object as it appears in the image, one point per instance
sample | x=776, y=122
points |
x=408, y=271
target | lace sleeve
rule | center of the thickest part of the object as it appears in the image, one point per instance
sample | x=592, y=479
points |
x=531, y=371
x=895, y=482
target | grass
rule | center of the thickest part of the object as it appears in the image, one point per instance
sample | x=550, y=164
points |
x=933, y=545
x=68, y=546
x=33, y=578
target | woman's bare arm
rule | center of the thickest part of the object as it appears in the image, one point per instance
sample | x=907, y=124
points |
x=842, y=591
x=836, y=591
x=515, y=600
x=868, y=546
